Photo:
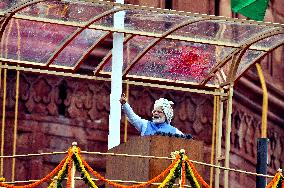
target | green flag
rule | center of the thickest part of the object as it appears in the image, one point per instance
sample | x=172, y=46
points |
x=253, y=9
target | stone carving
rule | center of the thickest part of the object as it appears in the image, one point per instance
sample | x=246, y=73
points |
x=51, y=96
x=204, y=120
x=275, y=149
x=245, y=131
x=85, y=103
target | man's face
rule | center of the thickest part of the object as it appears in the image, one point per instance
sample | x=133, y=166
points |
x=158, y=115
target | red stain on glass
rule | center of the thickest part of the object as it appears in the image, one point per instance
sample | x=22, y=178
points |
x=188, y=62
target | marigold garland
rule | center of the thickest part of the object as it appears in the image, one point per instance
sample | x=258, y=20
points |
x=59, y=181
x=196, y=174
x=46, y=178
x=155, y=179
x=177, y=174
x=62, y=173
x=183, y=176
x=69, y=174
x=274, y=181
x=170, y=175
x=181, y=167
x=51, y=185
x=190, y=176
x=85, y=175
x=281, y=182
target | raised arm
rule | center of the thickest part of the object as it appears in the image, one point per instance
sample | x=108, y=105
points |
x=139, y=123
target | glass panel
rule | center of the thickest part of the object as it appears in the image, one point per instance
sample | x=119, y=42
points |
x=7, y=4
x=251, y=56
x=214, y=81
x=247, y=60
x=130, y=50
x=223, y=72
x=147, y=21
x=218, y=30
x=67, y=11
x=74, y=51
x=176, y=60
x=32, y=41
x=270, y=42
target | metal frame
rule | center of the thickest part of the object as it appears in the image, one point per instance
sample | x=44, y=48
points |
x=221, y=92
x=218, y=151
x=176, y=83
x=12, y=11
x=77, y=32
x=108, y=56
x=170, y=82
x=241, y=49
x=182, y=13
x=87, y=53
x=262, y=36
x=153, y=43
x=133, y=32
x=137, y=83
x=229, y=109
x=256, y=60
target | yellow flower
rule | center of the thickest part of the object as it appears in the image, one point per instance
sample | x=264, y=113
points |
x=170, y=175
x=84, y=170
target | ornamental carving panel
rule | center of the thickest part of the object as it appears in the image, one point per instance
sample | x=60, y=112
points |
x=54, y=112
x=53, y=96
x=62, y=109
x=276, y=149
x=246, y=128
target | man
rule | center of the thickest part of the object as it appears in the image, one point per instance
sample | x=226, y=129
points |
x=161, y=119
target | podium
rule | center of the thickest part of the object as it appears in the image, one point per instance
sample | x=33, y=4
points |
x=143, y=169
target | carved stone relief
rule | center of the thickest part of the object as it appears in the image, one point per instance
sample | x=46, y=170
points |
x=58, y=105
x=246, y=128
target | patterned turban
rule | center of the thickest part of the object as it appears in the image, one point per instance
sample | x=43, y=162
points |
x=166, y=107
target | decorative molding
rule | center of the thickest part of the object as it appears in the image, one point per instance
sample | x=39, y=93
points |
x=248, y=92
x=58, y=102
x=246, y=128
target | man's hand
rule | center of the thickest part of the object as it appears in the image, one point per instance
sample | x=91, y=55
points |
x=122, y=99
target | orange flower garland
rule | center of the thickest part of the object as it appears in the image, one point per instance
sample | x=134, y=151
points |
x=84, y=173
x=46, y=178
x=196, y=174
x=69, y=173
x=183, y=176
x=96, y=174
x=75, y=157
x=275, y=180
x=170, y=175
x=60, y=173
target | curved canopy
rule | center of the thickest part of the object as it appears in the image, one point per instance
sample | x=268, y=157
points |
x=160, y=46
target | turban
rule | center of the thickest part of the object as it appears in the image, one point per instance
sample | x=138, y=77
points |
x=166, y=107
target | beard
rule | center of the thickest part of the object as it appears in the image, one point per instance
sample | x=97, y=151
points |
x=158, y=120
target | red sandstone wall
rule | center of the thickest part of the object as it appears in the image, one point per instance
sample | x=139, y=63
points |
x=44, y=128
x=85, y=120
